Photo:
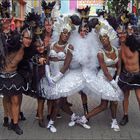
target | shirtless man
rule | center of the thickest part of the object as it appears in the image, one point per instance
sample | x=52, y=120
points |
x=12, y=84
x=6, y=33
x=130, y=75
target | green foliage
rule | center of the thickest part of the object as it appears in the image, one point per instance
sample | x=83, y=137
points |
x=116, y=7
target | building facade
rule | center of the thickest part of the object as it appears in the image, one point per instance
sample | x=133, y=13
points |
x=19, y=8
x=70, y=6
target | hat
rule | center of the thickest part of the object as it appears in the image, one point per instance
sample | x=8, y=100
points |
x=47, y=7
x=33, y=22
x=32, y=19
x=84, y=12
x=61, y=24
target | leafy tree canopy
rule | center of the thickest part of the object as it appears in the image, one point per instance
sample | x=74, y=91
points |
x=116, y=7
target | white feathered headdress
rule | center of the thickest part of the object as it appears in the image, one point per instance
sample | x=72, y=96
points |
x=103, y=31
x=61, y=24
x=108, y=31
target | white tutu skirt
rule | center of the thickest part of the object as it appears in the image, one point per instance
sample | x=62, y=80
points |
x=71, y=83
x=98, y=85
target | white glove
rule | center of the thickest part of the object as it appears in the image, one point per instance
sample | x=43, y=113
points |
x=114, y=84
x=51, y=82
x=48, y=75
x=57, y=77
x=117, y=78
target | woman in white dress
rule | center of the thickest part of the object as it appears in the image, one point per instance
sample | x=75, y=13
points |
x=108, y=58
x=85, y=52
x=52, y=84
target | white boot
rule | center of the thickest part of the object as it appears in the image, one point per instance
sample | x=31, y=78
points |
x=51, y=127
x=82, y=121
x=73, y=120
x=114, y=125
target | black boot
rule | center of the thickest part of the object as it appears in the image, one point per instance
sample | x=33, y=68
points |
x=17, y=129
x=22, y=117
x=41, y=123
x=10, y=127
x=124, y=120
x=5, y=122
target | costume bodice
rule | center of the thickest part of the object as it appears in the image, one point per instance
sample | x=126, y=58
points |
x=109, y=61
x=60, y=55
x=55, y=66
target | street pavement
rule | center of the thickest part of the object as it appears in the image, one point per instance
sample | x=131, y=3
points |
x=100, y=124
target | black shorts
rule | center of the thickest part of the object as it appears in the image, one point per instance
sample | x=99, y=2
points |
x=129, y=81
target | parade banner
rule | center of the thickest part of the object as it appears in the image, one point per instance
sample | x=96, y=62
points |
x=69, y=6
x=94, y=4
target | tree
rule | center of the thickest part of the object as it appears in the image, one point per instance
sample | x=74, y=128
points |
x=116, y=7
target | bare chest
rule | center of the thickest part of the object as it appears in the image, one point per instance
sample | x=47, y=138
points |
x=14, y=58
x=128, y=54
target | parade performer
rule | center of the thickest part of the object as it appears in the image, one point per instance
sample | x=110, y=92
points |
x=6, y=33
x=108, y=58
x=12, y=83
x=38, y=61
x=48, y=35
x=84, y=31
x=129, y=76
x=59, y=60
